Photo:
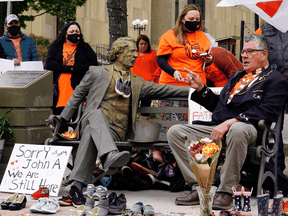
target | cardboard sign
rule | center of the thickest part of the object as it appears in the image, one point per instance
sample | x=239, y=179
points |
x=34, y=166
x=198, y=112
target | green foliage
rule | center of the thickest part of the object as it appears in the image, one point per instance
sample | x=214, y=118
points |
x=41, y=45
x=5, y=125
x=64, y=9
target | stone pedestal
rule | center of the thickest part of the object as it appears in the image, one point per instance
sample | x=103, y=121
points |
x=30, y=94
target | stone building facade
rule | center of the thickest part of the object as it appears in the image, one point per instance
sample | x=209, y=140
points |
x=224, y=24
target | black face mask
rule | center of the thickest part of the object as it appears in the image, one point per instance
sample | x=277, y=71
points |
x=74, y=38
x=13, y=30
x=192, y=25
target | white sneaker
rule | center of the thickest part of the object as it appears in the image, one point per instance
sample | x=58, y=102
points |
x=39, y=204
x=100, y=191
x=91, y=189
x=78, y=211
x=52, y=206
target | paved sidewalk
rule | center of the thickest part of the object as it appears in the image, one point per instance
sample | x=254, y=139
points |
x=162, y=201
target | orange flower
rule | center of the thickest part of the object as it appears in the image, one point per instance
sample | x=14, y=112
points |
x=70, y=135
x=209, y=149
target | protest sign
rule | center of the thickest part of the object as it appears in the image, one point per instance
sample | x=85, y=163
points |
x=8, y=65
x=198, y=112
x=34, y=166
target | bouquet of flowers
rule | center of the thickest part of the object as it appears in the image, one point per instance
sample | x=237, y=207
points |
x=203, y=157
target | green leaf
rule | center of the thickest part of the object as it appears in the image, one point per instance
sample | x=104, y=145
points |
x=5, y=125
x=209, y=161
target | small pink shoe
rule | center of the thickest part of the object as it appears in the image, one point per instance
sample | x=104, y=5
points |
x=237, y=206
x=246, y=210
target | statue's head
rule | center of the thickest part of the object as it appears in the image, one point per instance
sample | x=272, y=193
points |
x=124, y=52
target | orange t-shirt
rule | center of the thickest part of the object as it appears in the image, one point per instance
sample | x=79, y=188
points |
x=183, y=56
x=16, y=42
x=64, y=82
x=146, y=66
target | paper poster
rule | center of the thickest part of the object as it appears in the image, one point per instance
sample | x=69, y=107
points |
x=198, y=112
x=33, y=166
x=30, y=66
x=6, y=64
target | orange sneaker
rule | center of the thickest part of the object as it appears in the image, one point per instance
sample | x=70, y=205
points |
x=41, y=193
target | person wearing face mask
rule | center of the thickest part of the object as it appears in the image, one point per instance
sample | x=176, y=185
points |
x=183, y=47
x=17, y=46
x=69, y=57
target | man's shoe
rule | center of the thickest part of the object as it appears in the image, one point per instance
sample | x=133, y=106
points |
x=116, y=159
x=191, y=199
x=222, y=201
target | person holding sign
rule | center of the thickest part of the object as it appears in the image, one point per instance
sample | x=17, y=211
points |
x=17, y=45
x=258, y=91
x=69, y=57
x=112, y=95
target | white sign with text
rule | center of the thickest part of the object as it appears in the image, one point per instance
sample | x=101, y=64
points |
x=33, y=166
x=7, y=64
x=198, y=112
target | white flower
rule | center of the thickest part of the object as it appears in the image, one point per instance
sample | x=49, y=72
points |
x=206, y=140
x=200, y=157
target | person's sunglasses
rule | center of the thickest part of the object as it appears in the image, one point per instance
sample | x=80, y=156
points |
x=70, y=22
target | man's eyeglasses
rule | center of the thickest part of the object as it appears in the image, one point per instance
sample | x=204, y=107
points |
x=249, y=51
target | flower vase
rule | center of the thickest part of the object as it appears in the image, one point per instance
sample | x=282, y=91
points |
x=206, y=200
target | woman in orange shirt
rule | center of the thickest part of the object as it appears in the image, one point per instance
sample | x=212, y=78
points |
x=146, y=65
x=183, y=47
x=69, y=57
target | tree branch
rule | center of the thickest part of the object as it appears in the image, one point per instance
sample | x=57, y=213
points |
x=40, y=14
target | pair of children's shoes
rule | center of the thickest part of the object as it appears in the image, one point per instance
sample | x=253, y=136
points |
x=263, y=203
x=237, y=205
x=14, y=202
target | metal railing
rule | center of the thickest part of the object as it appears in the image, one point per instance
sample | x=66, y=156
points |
x=102, y=51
